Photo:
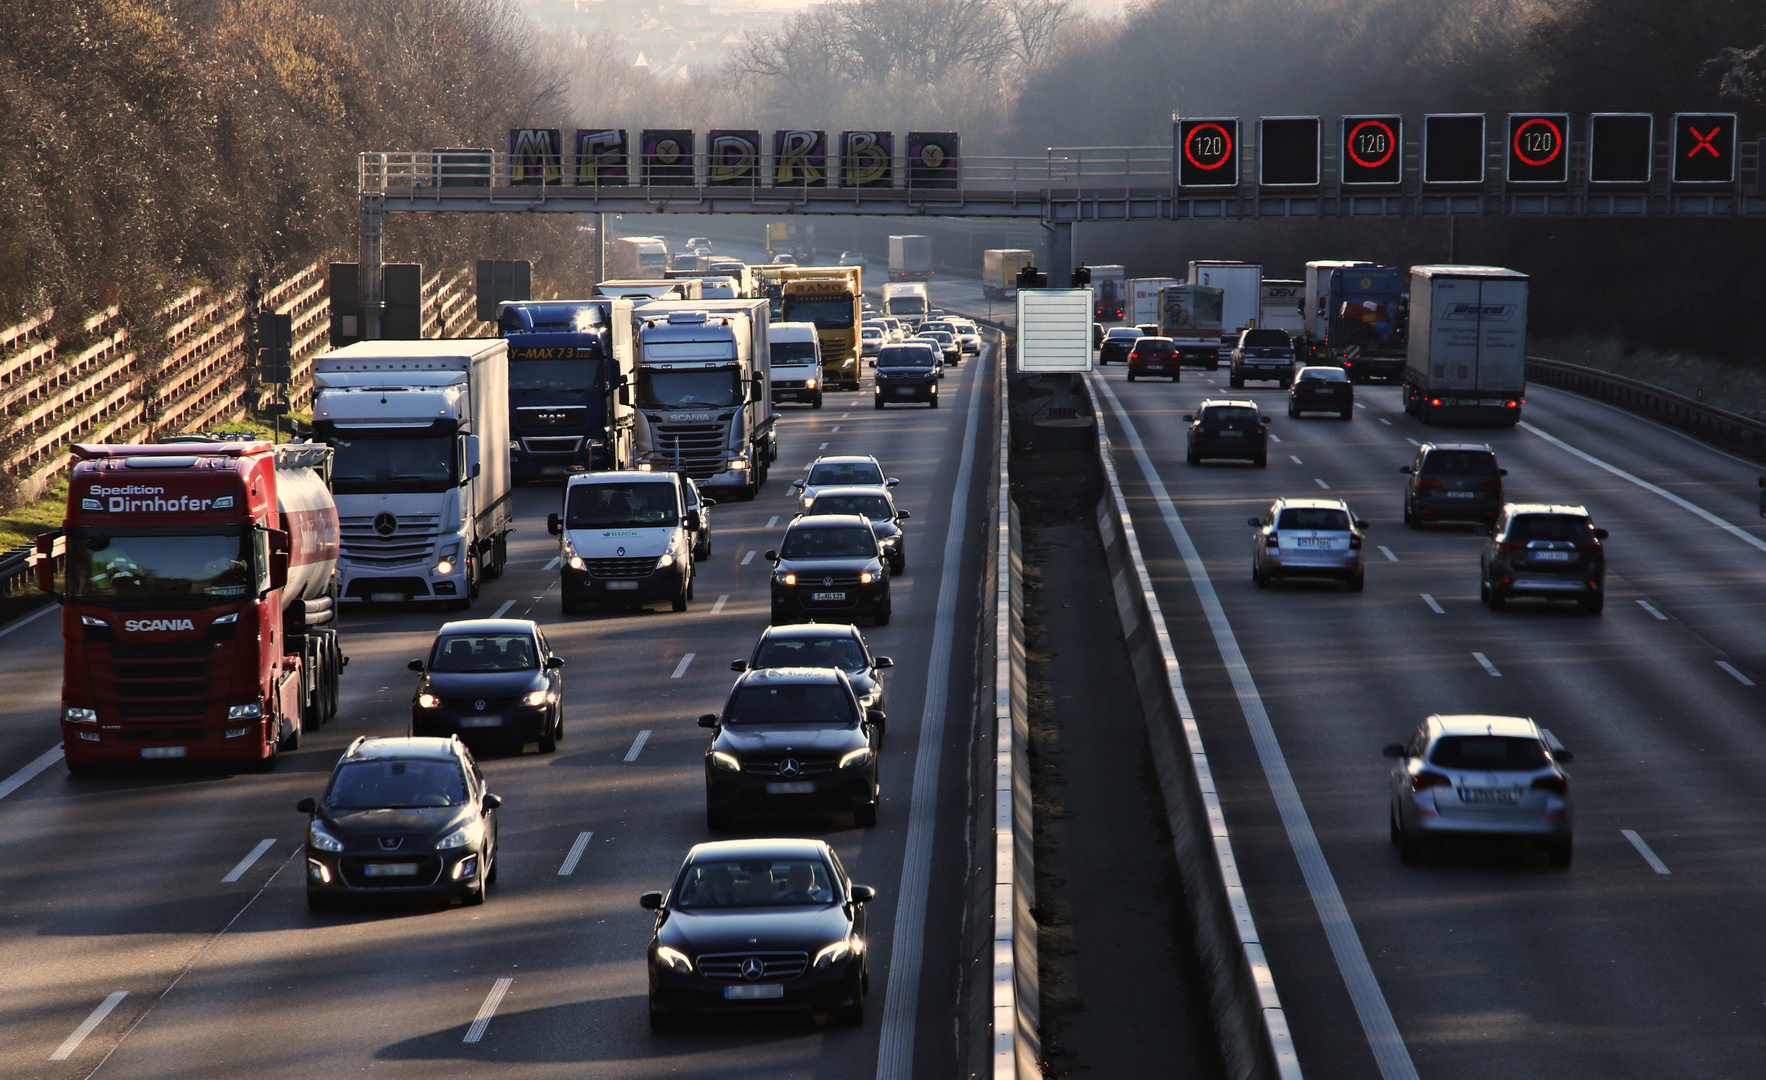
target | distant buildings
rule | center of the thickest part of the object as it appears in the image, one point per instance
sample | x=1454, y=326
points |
x=674, y=39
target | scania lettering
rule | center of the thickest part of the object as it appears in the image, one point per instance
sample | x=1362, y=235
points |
x=567, y=360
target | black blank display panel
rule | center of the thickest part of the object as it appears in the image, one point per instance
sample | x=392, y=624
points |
x=1289, y=154
x=1453, y=149
x=1621, y=148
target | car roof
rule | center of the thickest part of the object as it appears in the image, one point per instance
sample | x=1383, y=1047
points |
x=1483, y=447
x=1313, y=504
x=402, y=746
x=823, y=521
x=1245, y=403
x=791, y=676
x=1484, y=724
x=761, y=848
x=613, y=476
x=488, y=626
x=1566, y=509
x=844, y=459
x=811, y=630
x=854, y=489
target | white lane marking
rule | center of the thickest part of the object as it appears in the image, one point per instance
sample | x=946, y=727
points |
x=748, y=558
x=721, y=601
x=845, y=416
x=1383, y=420
x=1321, y=483
x=244, y=864
x=1381, y=1030
x=1652, y=609
x=824, y=446
x=1387, y=552
x=1412, y=441
x=576, y=854
x=29, y=772
x=1274, y=437
x=72, y=1042
x=507, y=604
x=681, y=668
x=1689, y=507
x=833, y=429
x=1359, y=405
x=487, y=1010
x=638, y=745
x=1295, y=458
x=557, y=561
x=907, y=946
x=1655, y=863
x=1433, y=606
x=1739, y=677
x=31, y=618
x=1484, y=662
x=774, y=520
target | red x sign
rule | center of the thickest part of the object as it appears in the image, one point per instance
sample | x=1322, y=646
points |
x=1704, y=141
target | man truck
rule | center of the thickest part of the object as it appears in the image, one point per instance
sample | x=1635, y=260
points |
x=421, y=473
x=1467, y=359
x=1363, y=322
x=833, y=298
x=199, y=613
x=567, y=360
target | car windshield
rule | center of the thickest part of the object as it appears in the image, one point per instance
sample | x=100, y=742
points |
x=824, y=704
x=787, y=353
x=636, y=505
x=716, y=388
x=899, y=357
x=1459, y=463
x=833, y=473
x=1529, y=527
x=1308, y=517
x=741, y=883
x=844, y=653
x=1122, y=333
x=1489, y=752
x=574, y=376
x=177, y=566
x=388, y=785
x=828, y=313
x=368, y=464
x=875, y=507
x=939, y=325
x=1266, y=339
x=835, y=543
x=1227, y=416
x=1323, y=374
x=871, y=333
x=479, y=653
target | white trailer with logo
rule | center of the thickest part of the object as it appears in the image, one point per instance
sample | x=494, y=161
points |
x=1143, y=298
x=1466, y=360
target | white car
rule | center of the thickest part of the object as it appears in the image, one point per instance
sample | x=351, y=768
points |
x=1307, y=538
x=870, y=340
x=843, y=471
x=969, y=334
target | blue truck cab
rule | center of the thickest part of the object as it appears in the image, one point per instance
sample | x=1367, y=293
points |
x=567, y=361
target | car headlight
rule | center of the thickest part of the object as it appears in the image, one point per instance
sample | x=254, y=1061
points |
x=576, y=562
x=79, y=716
x=324, y=841
x=249, y=711
x=788, y=579
x=464, y=835
x=536, y=697
x=674, y=959
x=738, y=465
x=854, y=758
x=428, y=701
x=809, y=384
x=724, y=761
x=666, y=561
x=832, y=955
x=865, y=577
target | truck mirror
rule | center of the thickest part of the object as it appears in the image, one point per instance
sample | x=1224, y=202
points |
x=472, y=460
x=46, y=559
x=278, y=569
x=625, y=395
x=553, y=525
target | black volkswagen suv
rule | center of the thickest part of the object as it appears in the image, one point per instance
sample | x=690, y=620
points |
x=1452, y=482
x=830, y=565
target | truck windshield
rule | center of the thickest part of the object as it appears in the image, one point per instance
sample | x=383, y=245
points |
x=179, y=566
x=574, y=376
x=646, y=504
x=828, y=313
x=718, y=388
x=385, y=462
x=786, y=353
x=906, y=305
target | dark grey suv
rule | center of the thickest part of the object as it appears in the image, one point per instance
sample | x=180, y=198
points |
x=1452, y=482
x=1546, y=550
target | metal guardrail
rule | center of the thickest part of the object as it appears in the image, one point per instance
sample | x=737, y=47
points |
x=18, y=577
x=1732, y=431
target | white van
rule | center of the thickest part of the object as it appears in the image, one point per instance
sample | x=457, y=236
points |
x=797, y=363
x=627, y=540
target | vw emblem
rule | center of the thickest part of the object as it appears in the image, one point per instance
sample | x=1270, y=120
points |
x=621, y=551
x=827, y=581
x=479, y=704
x=385, y=524
x=391, y=843
x=752, y=968
x=790, y=767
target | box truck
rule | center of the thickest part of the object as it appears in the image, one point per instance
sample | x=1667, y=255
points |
x=833, y=298
x=910, y=258
x=999, y=271
x=1190, y=316
x=1143, y=298
x=1241, y=301
x=1466, y=361
x=1108, y=286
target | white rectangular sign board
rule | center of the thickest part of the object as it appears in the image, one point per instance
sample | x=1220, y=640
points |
x=1054, y=330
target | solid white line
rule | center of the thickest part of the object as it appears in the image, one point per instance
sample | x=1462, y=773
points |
x=1383, y=420
x=748, y=558
x=245, y=864
x=1321, y=483
x=1643, y=849
x=774, y=520
x=1652, y=609
x=681, y=668
x=487, y=1010
x=1433, y=606
x=576, y=854
x=1689, y=507
x=557, y=561
x=29, y=772
x=907, y=946
x=31, y=618
x=1412, y=441
x=1358, y=975
x=1484, y=662
x=1295, y=458
x=721, y=601
x=72, y=1042
x=638, y=745
x=1739, y=677
x=1387, y=552
x=507, y=604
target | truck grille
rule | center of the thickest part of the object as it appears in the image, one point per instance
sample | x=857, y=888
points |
x=621, y=568
x=411, y=541
x=160, y=650
x=158, y=671
x=175, y=734
x=161, y=689
x=540, y=416
x=563, y=444
x=727, y=967
x=702, y=448
x=161, y=708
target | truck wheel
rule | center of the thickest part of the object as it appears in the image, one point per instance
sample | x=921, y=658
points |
x=499, y=558
x=292, y=740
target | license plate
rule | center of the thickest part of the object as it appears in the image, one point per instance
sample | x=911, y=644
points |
x=1230, y=434
x=1312, y=542
x=390, y=869
x=387, y=597
x=1553, y=556
x=754, y=992
x=827, y=596
x=1155, y=367
x=1489, y=401
x=163, y=751
x=1488, y=796
x=796, y=787
x=1321, y=390
x=481, y=721
x=1460, y=494
x=904, y=391
x=622, y=586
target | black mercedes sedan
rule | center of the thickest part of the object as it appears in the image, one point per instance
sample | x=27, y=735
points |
x=759, y=926
x=402, y=817
x=877, y=507
x=791, y=741
x=490, y=680
x=830, y=566
x=823, y=645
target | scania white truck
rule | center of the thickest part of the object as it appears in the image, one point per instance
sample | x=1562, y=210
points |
x=1466, y=358
x=421, y=465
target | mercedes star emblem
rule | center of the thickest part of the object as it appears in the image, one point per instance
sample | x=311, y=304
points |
x=385, y=524
x=479, y=704
x=789, y=767
x=752, y=968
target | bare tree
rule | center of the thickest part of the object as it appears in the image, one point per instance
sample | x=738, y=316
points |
x=1035, y=24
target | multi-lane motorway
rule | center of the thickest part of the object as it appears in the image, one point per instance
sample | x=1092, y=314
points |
x=1644, y=959
x=153, y=924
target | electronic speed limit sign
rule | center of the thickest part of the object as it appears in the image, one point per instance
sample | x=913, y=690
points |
x=1538, y=148
x=1207, y=153
x=1373, y=150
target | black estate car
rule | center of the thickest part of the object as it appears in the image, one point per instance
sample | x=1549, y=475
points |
x=823, y=645
x=490, y=680
x=1228, y=428
x=830, y=566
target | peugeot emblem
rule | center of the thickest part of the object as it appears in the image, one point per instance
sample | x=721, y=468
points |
x=827, y=581
x=621, y=551
x=752, y=968
x=391, y=843
x=479, y=704
x=385, y=524
x=790, y=767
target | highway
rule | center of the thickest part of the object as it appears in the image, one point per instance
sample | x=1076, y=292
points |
x=153, y=924
x=1643, y=959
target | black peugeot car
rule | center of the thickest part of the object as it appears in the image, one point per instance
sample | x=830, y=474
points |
x=823, y=645
x=877, y=506
x=1228, y=428
x=791, y=741
x=759, y=926
x=402, y=817
x=906, y=372
x=830, y=566
x=490, y=680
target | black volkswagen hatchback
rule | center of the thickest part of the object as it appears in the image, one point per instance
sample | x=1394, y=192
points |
x=490, y=680
x=759, y=926
x=830, y=566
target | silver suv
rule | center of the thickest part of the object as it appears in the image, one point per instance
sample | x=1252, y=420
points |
x=1546, y=550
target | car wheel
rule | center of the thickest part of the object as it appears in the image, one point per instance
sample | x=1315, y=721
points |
x=1131, y=376
x=1410, y=849
x=474, y=896
x=1347, y=414
x=490, y=877
x=882, y=617
x=549, y=738
x=1235, y=382
x=1409, y=517
x=817, y=403
x=1177, y=377
x=1392, y=824
x=933, y=402
x=567, y=604
x=1261, y=461
x=1560, y=854
x=1594, y=604
x=1483, y=591
x=679, y=603
x=292, y=741
x=1293, y=413
x=879, y=403
x=1358, y=582
x=1260, y=576
x=1192, y=458
x=898, y=567
x=865, y=816
x=318, y=901
x=1496, y=598
x=661, y=1021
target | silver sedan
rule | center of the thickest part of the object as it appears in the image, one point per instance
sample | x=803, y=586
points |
x=1312, y=537
x=1498, y=777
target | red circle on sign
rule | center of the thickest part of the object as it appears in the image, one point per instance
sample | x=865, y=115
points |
x=1557, y=142
x=1226, y=144
x=1391, y=144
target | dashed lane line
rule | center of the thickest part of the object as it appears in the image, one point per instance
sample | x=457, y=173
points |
x=721, y=601
x=748, y=558
x=576, y=853
x=1321, y=483
x=638, y=745
x=681, y=668
x=1739, y=677
x=1484, y=662
x=73, y=1041
x=487, y=1010
x=557, y=561
x=1387, y=552
x=29, y=772
x=1652, y=609
x=1433, y=606
x=774, y=520
x=253, y=856
x=1295, y=458
x=1383, y=420
x=507, y=604
x=1655, y=863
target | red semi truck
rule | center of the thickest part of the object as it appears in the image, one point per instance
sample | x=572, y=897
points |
x=198, y=616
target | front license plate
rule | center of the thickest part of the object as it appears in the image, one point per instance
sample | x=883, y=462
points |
x=1460, y=494
x=1488, y=796
x=814, y=596
x=392, y=869
x=163, y=751
x=622, y=586
x=904, y=391
x=1313, y=542
x=481, y=721
x=754, y=992
x=797, y=787
x=1553, y=556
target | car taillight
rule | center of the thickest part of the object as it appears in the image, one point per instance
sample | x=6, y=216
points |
x=1273, y=540
x=1427, y=482
x=1427, y=779
x=1553, y=783
x=1511, y=546
x=1434, y=401
x=1492, y=484
x=1354, y=542
x=1514, y=404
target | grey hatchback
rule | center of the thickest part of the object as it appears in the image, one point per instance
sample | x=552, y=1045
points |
x=1452, y=482
x=1545, y=550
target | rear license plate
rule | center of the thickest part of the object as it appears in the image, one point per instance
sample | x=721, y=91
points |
x=754, y=992
x=1488, y=796
x=1322, y=390
x=1155, y=367
x=481, y=721
x=1460, y=494
x=815, y=596
x=1553, y=556
x=393, y=869
x=1230, y=434
x=163, y=751
x=796, y=787
x=1312, y=542
x=622, y=586
x=388, y=597
x=1489, y=401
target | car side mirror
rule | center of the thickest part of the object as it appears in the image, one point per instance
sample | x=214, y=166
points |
x=554, y=525
x=1393, y=750
x=882, y=662
x=876, y=717
x=708, y=503
x=891, y=482
x=650, y=901
x=553, y=663
x=771, y=555
x=415, y=665
x=1188, y=419
x=1255, y=523
x=1563, y=755
x=691, y=523
x=1405, y=469
x=1360, y=524
x=1502, y=472
x=797, y=483
x=873, y=363
x=1601, y=534
x=738, y=665
x=491, y=802
x=863, y=894
x=708, y=720
x=306, y=806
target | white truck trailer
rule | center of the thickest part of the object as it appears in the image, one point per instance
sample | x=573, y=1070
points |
x=1241, y=301
x=1466, y=358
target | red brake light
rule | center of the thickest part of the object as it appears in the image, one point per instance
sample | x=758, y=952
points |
x=1427, y=779
x=1435, y=401
x=1514, y=404
x=1272, y=540
x=1555, y=783
x=1427, y=482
